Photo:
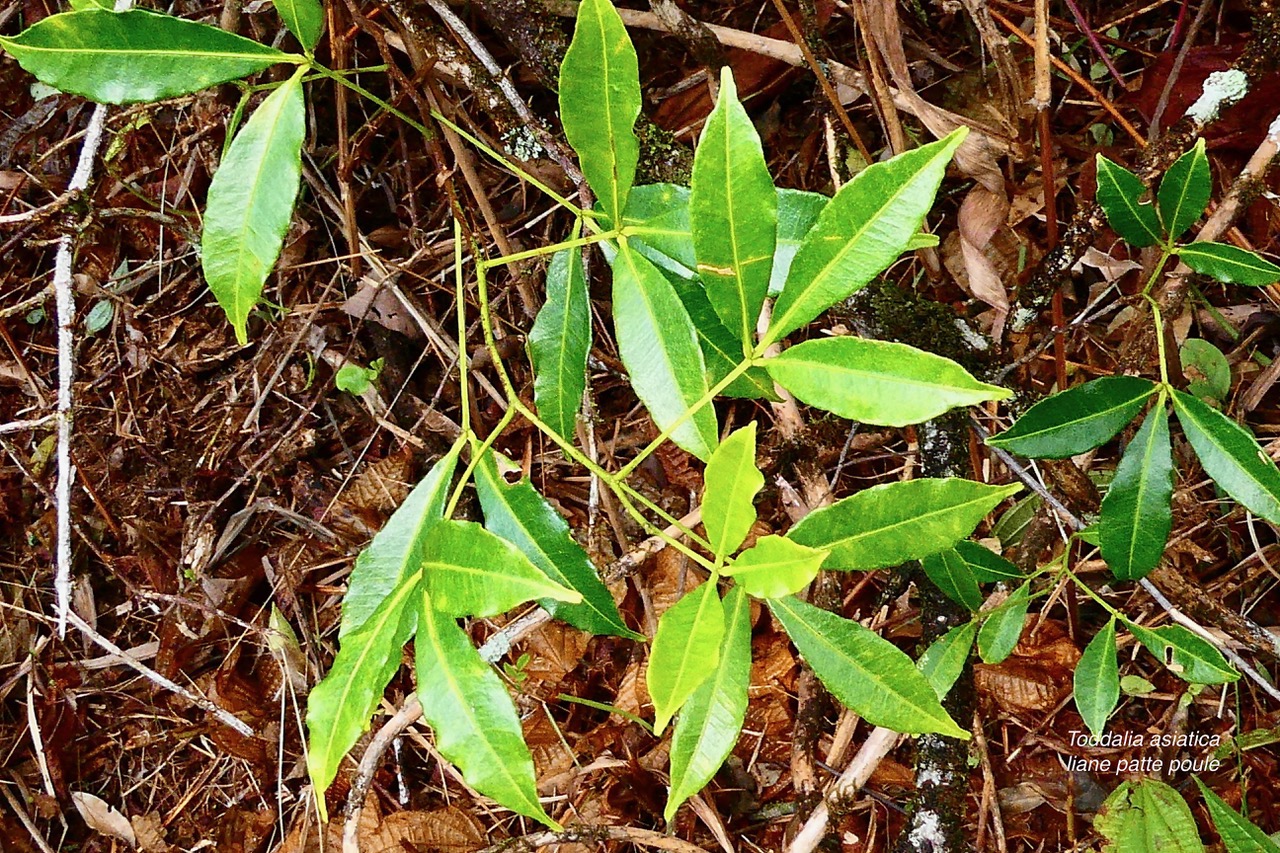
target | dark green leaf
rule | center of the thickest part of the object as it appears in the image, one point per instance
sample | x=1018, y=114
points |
x=1078, y=419
x=877, y=382
x=685, y=651
x=559, y=342
x=1136, y=518
x=731, y=483
x=517, y=513
x=1003, y=628
x=1097, y=680
x=1147, y=817
x=890, y=523
x=721, y=350
x=951, y=574
x=1207, y=370
x=1239, y=834
x=475, y=722
x=135, y=56
x=797, y=212
x=942, y=663
x=774, y=567
x=657, y=224
x=711, y=719
x=985, y=565
x=865, y=672
x=304, y=18
x=1119, y=191
x=1184, y=191
x=1231, y=456
x=1186, y=655
x=1228, y=264
x=251, y=202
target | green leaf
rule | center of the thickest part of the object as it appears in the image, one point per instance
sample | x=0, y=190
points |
x=860, y=232
x=797, y=212
x=877, y=382
x=685, y=651
x=1076, y=420
x=559, y=342
x=659, y=346
x=1147, y=817
x=1207, y=370
x=1119, y=191
x=985, y=565
x=942, y=663
x=304, y=18
x=599, y=103
x=251, y=202
x=355, y=379
x=1231, y=456
x=1239, y=834
x=950, y=573
x=864, y=671
x=711, y=719
x=135, y=56
x=888, y=524
x=469, y=571
x=1185, y=654
x=340, y=706
x=521, y=516
x=395, y=552
x=1097, y=680
x=776, y=566
x=1228, y=264
x=1136, y=518
x=733, y=206
x=720, y=348
x=731, y=483
x=1003, y=628
x=472, y=715
x=1184, y=191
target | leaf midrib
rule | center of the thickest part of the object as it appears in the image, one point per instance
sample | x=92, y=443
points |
x=951, y=508
x=886, y=377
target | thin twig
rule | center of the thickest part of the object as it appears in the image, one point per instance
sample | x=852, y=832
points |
x=877, y=745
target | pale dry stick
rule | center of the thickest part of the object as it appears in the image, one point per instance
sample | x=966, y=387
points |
x=877, y=745
x=37, y=738
x=25, y=820
x=25, y=305
x=19, y=426
x=409, y=713
x=588, y=834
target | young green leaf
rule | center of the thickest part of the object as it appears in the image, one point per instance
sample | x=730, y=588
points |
x=735, y=217
x=1184, y=191
x=304, y=18
x=776, y=566
x=864, y=227
x=890, y=523
x=1185, y=654
x=1207, y=370
x=471, y=713
x=251, y=202
x=659, y=346
x=865, y=672
x=797, y=212
x=1076, y=420
x=341, y=705
x=1231, y=456
x=942, y=663
x=1119, y=191
x=877, y=382
x=396, y=550
x=559, y=342
x=685, y=651
x=732, y=481
x=1147, y=817
x=1000, y=633
x=1136, y=518
x=711, y=719
x=720, y=348
x=521, y=516
x=135, y=56
x=949, y=572
x=1228, y=264
x=599, y=103
x=1239, y=834
x=1097, y=680
x=469, y=571
x=985, y=565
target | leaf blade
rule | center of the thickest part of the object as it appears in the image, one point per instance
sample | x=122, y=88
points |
x=944, y=660
x=559, y=343
x=1184, y=191
x=1119, y=191
x=1096, y=683
x=949, y=572
x=731, y=483
x=685, y=651
x=1136, y=516
x=1239, y=834
x=1000, y=633
x=776, y=566
x=1231, y=456
x=1228, y=264
x=304, y=18
x=1076, y=420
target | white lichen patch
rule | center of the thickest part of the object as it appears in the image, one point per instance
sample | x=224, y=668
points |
x=1273, y=132
x=926, y=834
x=971, y=338
x=1222, y=88
x=520, y=143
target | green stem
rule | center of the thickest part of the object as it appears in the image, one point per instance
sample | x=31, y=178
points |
x=548, y=250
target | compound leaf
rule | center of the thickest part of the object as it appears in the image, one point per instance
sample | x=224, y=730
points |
x=775, y=566
x=472, y=715
x=877, y=382
x=860, y=231
x=135, y=56
x=1119, y=191
x=521, y=516
x=944, y=660
x=950, y=573
x=1229, y=264
x=732, y=481
x=686, y=650
x=559, y=342
x=1136, y=518
x=1231, y=456
x=659, y=346
x=600, y=101
x=1147, y=817
x=712, y=717
x=1097, y=680
x=1003, y=628
x=1184, y=191
x=1186, y=655
x=469, y=571
x=304, y=18
x=888, y=524
x=1239, y=834
x=864, y=671
x=251, y=202
x=1076, y=420
x=733, y=206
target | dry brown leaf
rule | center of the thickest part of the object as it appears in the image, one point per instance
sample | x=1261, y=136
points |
x=550, y=758
x=1036, y=676
x=372, y=301
x=555, y=650
x=982, y=213
x=103, y=818
x=149, y=829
